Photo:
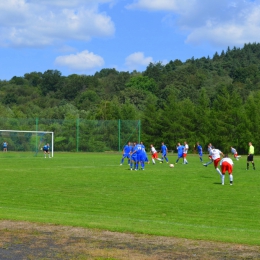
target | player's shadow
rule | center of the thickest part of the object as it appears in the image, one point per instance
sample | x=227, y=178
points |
x=206, y=177
x=217, y=183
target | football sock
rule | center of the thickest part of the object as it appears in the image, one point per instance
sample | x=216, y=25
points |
x=218, y=170
x=222, y=178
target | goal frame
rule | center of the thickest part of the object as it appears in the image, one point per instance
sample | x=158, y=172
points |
x=35, y=132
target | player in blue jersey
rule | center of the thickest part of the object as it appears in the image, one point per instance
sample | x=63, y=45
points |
x=180, y=149
x=145, y=154
x=140, y=156
x=46, y=150
x=164, y=151
x=133, y=157
x=200, y=151
x=5, y=144
x=126, y=153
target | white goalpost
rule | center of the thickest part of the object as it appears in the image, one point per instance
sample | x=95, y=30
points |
x=32, y=139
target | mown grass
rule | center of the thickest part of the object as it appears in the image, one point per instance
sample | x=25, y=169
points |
x=92, y=190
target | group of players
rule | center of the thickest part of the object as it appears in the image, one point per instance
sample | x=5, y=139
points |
x=137, y=156
x=225, y=163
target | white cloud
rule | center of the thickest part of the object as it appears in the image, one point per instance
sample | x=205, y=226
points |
x=220, y=23
x=154, y=5
x=242, y=28
x=81, y=61
x=136, y=60
x=71, y=3
x=44, y=22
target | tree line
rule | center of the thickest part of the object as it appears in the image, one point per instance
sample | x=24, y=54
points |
x=207, y=99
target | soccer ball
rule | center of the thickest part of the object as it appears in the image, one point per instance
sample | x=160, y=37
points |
x=171, y=165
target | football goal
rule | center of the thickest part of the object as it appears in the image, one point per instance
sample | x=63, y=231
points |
x=27, y=141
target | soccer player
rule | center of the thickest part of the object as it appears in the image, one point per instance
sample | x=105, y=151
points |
x=210, y=157
x=164, y=151
x=140, y=156
x=250, y=157
x=126, y=153
x=5, y=144
x=145, y=154
x=226, y=164
x=154, y=154
x=46, y=150
x=234, y=151
x=215, y=155
x=133, y=157
x=185, y=151
x=180, y=149
x=200, y=152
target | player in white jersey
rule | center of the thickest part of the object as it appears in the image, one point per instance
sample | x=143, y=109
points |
x=185, y=151
x=154, y=154
x=234, y=151
x=226, y=165
x=209, y=151
x=215, y=155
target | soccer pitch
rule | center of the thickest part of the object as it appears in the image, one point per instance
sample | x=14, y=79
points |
x=92, y=190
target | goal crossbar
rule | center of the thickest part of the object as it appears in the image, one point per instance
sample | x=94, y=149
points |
x=35, y=132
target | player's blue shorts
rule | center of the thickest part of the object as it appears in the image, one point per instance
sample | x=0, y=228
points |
x=134, y=158
x=140, y=157
x=180, y=155
x=126, y=155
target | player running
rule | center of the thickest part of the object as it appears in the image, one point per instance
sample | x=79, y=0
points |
x=179, y=152
x=210, y=157
x=154, y=154
x=215, y=155
x=185, y=152
x=234, y=152
x=164, y=151
x=200, y=152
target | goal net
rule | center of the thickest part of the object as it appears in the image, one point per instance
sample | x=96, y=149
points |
x=26, y=141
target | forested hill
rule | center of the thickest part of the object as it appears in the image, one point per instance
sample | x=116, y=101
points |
x=207, y=100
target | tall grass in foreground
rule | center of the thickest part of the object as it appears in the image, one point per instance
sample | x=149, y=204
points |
x=92, y=190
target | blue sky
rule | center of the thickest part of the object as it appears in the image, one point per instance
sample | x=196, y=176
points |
x=84, y=36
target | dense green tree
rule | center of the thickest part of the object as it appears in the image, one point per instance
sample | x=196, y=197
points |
x=51, y=81
x=142, y=83
x=34, y=78
x=151, y=123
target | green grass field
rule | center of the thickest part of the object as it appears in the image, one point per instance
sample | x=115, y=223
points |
x=92, y=190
